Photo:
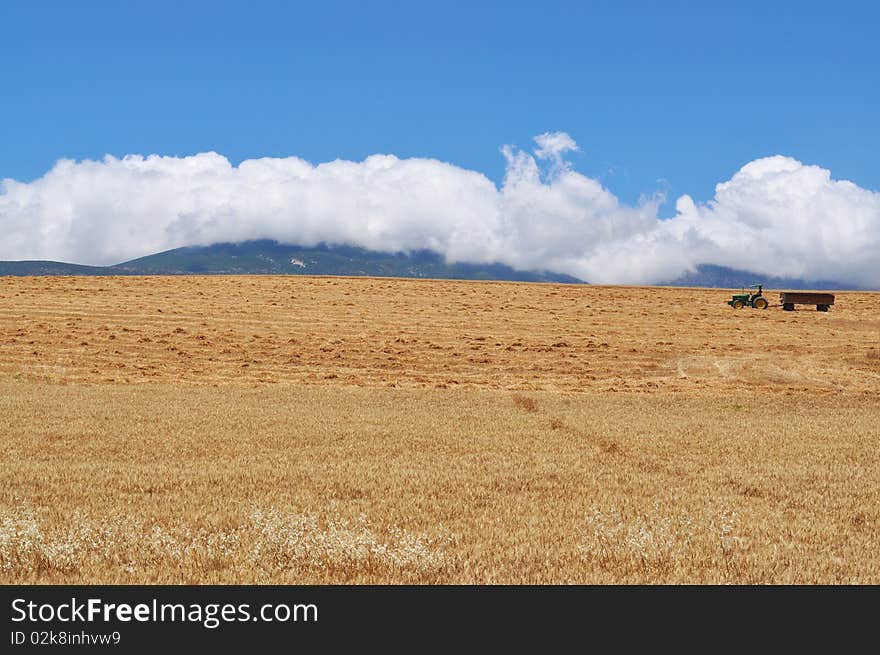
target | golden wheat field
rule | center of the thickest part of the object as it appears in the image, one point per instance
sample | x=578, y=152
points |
x=358, y=430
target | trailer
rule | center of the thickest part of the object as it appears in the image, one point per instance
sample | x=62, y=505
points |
x=788, y=299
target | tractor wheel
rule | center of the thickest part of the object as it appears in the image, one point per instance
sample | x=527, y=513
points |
x=760, y=303
x=738, y=304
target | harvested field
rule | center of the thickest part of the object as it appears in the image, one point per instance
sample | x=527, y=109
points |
x=273, y=429
x=419, y=333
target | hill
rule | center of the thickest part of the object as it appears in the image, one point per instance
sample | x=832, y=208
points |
x=36, y=267
x=272, y=258
x=709, y=275
x=264, y=257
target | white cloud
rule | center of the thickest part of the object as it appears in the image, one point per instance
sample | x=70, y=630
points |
x=775, y=216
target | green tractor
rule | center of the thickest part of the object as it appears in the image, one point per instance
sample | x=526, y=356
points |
x=746, y=299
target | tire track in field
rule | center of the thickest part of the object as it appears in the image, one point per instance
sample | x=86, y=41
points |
x=609, y=448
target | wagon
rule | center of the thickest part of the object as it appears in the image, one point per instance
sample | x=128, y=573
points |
x=788, y=299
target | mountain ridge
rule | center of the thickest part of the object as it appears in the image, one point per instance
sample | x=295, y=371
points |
x=267, y=257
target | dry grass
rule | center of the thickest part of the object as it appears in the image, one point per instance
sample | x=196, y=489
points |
x=541, y=434
x=428, y=334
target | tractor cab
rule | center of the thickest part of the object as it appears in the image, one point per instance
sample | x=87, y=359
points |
x=754, y=298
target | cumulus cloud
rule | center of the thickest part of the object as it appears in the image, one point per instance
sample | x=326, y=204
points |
x=775, y=216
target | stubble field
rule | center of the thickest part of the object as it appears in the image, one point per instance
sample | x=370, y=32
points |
x=350, y=430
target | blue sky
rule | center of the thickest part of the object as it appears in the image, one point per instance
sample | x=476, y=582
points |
x=666, y=96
